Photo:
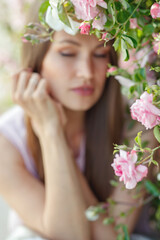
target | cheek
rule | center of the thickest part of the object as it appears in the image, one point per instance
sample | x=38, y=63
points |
x=101, y=74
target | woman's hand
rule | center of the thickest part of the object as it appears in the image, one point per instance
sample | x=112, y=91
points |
x=30, y=92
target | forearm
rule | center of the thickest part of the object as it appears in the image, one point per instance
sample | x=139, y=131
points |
x=99, y=231
x=64, y=202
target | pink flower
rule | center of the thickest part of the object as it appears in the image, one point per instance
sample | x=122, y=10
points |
x=99, y=23
x=111, y=69
x=87, y=9
x=133, y=23
x=85, y=28
x=104, y=36
x=145, y=112
x=124, y=165
x=155, y=10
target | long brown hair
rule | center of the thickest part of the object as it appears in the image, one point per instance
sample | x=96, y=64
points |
x=103, y=123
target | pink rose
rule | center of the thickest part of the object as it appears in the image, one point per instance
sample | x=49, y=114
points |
x=111, y=69
x=145, y=112
x=155, y=10
x=124, y=165
x=99, y=23
x=133, y=23
x=87, y=9
x=85, y=28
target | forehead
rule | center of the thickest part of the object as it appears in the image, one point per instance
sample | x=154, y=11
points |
x=89, y=41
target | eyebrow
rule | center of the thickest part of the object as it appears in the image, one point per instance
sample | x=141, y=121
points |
x=78, y=44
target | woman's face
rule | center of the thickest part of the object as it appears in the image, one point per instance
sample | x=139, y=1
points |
x=75, y=69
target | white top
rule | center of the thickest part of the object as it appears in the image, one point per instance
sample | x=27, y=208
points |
x=12, y=126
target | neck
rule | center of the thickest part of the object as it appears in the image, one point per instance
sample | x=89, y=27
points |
x=75, y=123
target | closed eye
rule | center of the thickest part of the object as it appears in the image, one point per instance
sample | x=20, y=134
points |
x=67, y=54
x=105, y=55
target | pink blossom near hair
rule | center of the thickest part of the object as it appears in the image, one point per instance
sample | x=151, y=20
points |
x=111, y=69
x=145, y=112
x=99, y=23
x=87, y=10
x=155, y=10
x=133, y=23
x=84, y=28
x=124, y=165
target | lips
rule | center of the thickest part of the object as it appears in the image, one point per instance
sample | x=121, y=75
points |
x=84, y=90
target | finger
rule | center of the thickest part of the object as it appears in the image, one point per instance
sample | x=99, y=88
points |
x=14, y=82
x=15, y=78
x=32, y=84
x=41, y=90
x=22, y=83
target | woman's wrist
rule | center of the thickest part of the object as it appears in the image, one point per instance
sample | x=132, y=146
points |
x=51, y=130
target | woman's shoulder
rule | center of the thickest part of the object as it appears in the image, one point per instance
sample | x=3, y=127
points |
x=10, y=122
x=13, y=114
x=8, y=151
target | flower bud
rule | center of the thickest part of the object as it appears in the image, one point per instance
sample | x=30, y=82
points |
x=112, y=69
x=85, y=28
x=91, y=215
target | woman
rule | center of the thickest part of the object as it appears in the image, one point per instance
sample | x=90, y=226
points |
x=56, y=148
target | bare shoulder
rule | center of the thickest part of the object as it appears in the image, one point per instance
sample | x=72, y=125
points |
x=11, y=163
x=10, y=155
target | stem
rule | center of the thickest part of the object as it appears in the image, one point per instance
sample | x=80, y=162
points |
x=127, y=19
x=133, y=12
x=156, y=149
x=143, y=160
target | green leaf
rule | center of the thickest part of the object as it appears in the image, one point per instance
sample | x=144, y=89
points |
x=114, y=183
x=108, y=221
x=138, y=139
x=63, y=14
x=126, y=234
x=108, y=24
x=122, y=16
x=157, y=69
x=130, y=40
x=116, y=43
x=111, y=11
x=124, y=3
x=124, y=49
x=155, y=163
x=118, y=6
x=156, y=132
x=139, y=75
x=120, y=237
x=123, y=214
x=148, y=30
x=43, y=8
x=158, y=213
x=151, y=188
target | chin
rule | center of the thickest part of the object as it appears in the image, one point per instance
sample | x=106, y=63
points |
x=79, y=107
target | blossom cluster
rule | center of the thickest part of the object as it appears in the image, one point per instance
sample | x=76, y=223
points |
x=125, y=167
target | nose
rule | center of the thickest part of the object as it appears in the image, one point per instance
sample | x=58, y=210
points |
x=85, y=69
